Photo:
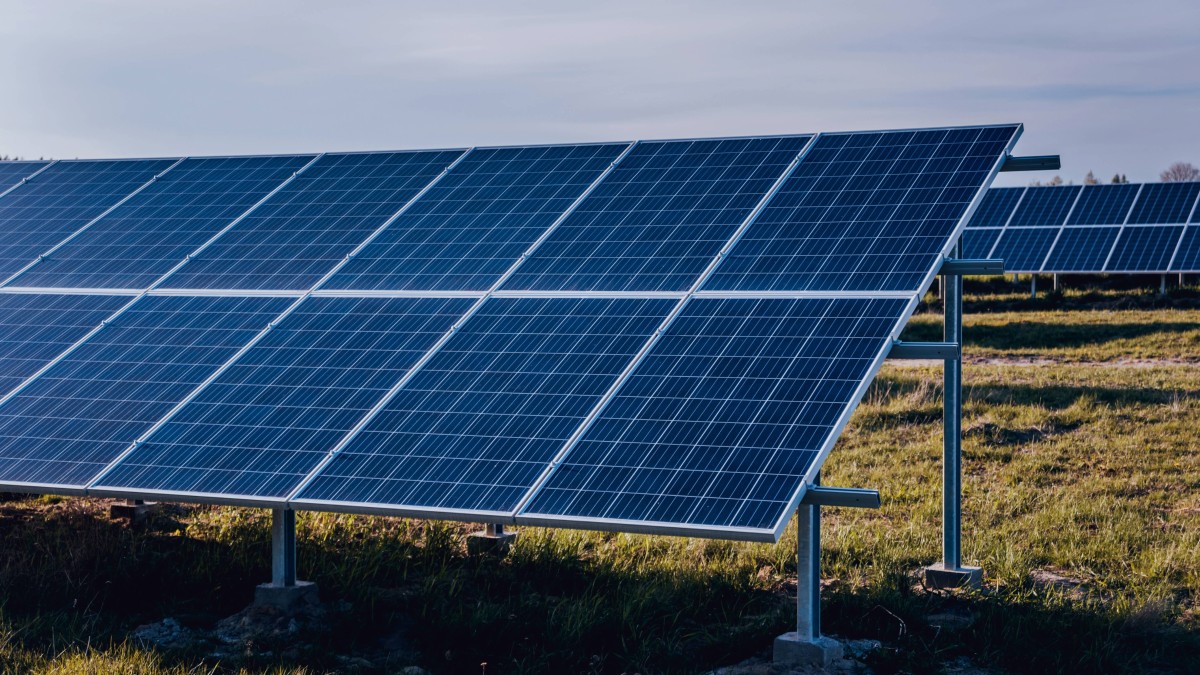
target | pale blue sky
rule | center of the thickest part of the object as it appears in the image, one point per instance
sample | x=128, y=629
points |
x=1111, y=86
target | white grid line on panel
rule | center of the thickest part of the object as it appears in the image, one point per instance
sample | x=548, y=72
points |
x=28, y=178
x=1020, y=199
x=1121, y=231
x=1061, y=227
x=1187, y=225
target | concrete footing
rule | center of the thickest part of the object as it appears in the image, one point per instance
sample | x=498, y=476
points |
x=490, y=542
x=287, y=599
x=135, y=511
x=938, y=577
x=792, y=650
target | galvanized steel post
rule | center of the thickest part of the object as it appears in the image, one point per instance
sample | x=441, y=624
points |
x=952, y=423
x=283, y=547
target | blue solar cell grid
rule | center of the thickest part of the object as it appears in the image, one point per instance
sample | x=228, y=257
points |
x=60, y=200
x=1024, y=248
x=977, y=243
x=658, y=220
x=155, y=230
x=996, y=207
x=1164, y=203
x=864, y=212
x=36, y=328
x=1187, y=259
x=1081, y=249
x=1144, y=249
x=271, y=417
x=299, y=234
x=1103, y=204
x=479, y=423
x=1044, y=206
x=720, y=423
x=12, y=173
x=470, y=228
x=65, y=426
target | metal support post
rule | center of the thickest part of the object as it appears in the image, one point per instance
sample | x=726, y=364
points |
x=951, y=573
x=1055, y=283
x=806, y=646
x=1162, y=284
x=1033, y=286
x=493, y=540
x=283, y=547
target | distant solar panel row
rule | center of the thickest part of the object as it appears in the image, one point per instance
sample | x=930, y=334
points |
x=1125, y=228
x=618, y=336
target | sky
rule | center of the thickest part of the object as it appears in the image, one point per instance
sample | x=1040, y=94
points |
x=1110, y=86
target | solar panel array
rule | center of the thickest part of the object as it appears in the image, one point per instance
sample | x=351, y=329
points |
x=1125, y=228
x=661, y=336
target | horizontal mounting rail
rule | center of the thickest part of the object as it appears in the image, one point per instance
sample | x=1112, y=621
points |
x=942, y=351
x=1032, y=163
x=971, y=266
x=820, y=495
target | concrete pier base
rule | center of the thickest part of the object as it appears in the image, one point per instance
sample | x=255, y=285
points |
x=792, y=650
x=134, y=510
x=493, y=540
x=939, y=577
x=287, y=599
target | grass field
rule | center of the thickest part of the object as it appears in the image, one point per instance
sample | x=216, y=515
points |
x=1081, y=460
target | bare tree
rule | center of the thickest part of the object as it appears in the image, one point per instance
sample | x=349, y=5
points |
x=1180, y=172
x=1090, y=179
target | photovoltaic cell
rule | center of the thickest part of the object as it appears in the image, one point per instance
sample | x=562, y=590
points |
x=79, y=415
x=1024, y=248
x=1043, y=206
x=12, y=173
x=996, y=207
x=481, y=421
x=864, y=212
x=1081, y=249
x=977, y=243
x=1188, y=257
x=299, y=234
x=149, y=234
x=36, y=328
x=1164, y=203
x=469, y=229
x=1146, y=249
x=658, y=220
x=271, y=417
x=1103, y=204
x=60, y=200
x=720, y=423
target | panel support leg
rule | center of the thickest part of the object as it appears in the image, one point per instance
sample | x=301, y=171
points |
x=285, y=593
x=134, y=510
x=951, y=573
x=1033, y=286
x=1055, y=283
x=1162, y=284
x=806, y=645
x=493, y=540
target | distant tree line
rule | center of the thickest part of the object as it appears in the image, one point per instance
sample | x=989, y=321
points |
x=1178, y=172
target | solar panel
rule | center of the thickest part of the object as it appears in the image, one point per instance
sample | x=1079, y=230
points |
x=1164, y=203
x=865, y=212
x=471, y=227
x=1144, y=249
x=1103, y=204
x=598, y=388
x=57, y=202
x=12, y=173
x=265, y=422
x=478, y=424
x=978, y=243
x=81, y=413
x=1082, y=249
x=36, y=328
x=1023, y=249
x=996, y=208
x=1045, y=206
x=656, y=222
x=1187, y=258
x=297, y=235
x=155, y=230
x=720, y=423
